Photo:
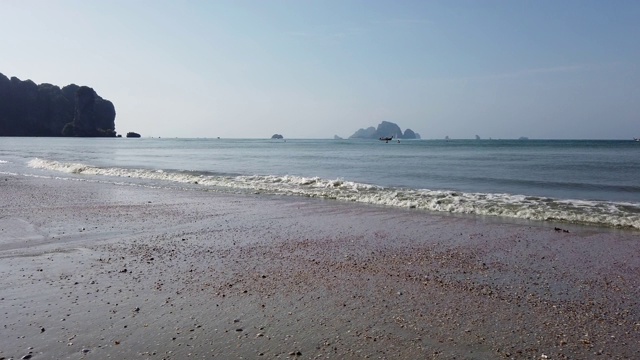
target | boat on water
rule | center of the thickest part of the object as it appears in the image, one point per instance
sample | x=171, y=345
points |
x=636, y=139
x=386, y=138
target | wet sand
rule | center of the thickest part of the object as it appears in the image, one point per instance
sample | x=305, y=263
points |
x=99, y=271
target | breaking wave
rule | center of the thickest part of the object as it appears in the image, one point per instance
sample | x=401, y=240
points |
x=601, y=213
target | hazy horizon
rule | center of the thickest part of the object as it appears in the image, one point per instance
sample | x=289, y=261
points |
x=249, y=69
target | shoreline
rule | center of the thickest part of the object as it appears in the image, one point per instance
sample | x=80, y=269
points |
x=103, y=270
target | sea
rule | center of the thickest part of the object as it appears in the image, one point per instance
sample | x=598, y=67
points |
x=587, y=182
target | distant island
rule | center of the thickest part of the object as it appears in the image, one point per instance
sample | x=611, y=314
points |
x=277, y=136
x=385, y=129
x=27, y=109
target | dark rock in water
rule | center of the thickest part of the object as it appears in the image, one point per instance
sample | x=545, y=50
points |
x=385, y=130
x=277, y=136
x=132, y=134
x=27, y=109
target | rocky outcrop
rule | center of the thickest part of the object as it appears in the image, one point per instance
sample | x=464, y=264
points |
x=27, y=109
x=277, y=136
x=385, y=129
x=368, y=133
x=409, y=134
x=132, y=134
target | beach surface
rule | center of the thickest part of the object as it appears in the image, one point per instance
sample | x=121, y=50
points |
x=99, y=270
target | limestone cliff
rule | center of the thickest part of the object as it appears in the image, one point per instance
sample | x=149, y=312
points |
x=27, y=109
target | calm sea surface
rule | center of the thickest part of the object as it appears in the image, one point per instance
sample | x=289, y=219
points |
x=588, y=182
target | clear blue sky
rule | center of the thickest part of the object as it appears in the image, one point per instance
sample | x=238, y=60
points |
x=312, y=69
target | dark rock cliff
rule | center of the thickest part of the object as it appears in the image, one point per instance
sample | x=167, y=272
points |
x=27, y=109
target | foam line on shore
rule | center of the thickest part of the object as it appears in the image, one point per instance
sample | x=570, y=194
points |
x=600, y=213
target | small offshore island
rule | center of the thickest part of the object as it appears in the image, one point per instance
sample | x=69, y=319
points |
x=28, y=109
x=385, y=129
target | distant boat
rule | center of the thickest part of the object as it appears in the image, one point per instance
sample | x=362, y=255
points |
x=132, y=134
x=636, y=139
x=386, y=138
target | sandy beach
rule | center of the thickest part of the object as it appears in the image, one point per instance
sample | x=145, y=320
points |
x=97, y=270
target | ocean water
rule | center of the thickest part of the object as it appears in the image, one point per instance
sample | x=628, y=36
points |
x=585, y=182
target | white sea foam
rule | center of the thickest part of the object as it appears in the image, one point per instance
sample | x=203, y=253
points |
x=515, y=206
x=3, y=162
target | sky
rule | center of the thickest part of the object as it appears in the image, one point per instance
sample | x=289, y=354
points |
x=314, y=69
